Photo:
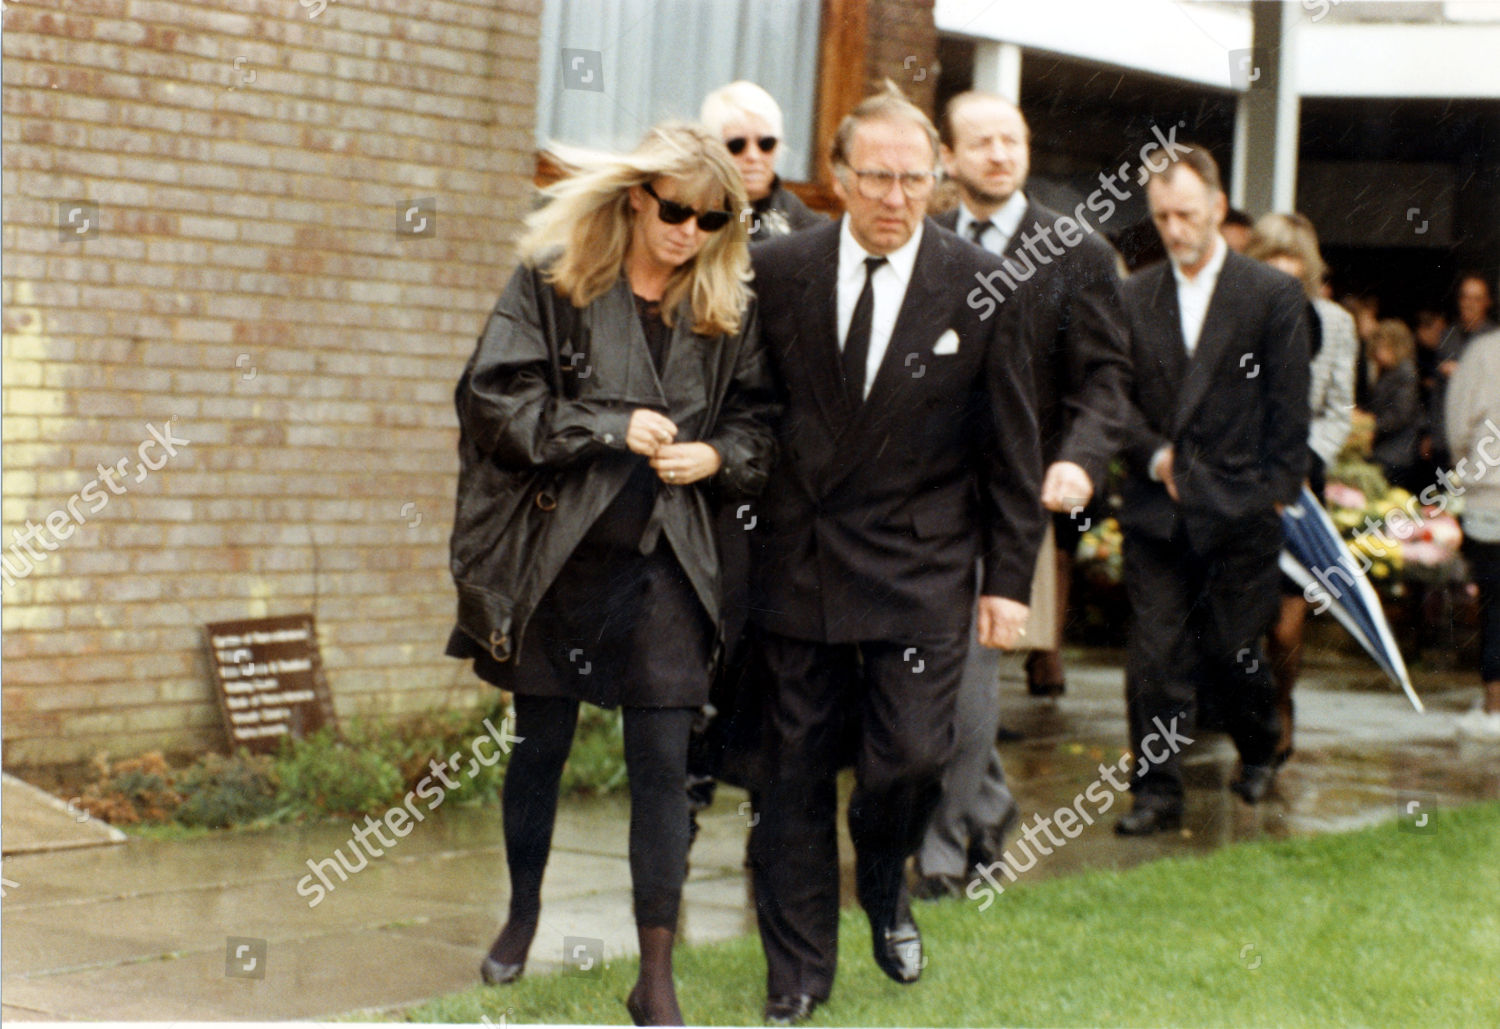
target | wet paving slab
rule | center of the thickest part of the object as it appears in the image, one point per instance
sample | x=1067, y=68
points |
x=215, y=928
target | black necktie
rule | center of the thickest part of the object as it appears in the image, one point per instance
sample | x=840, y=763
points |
x=857, y=342
x=977, y=230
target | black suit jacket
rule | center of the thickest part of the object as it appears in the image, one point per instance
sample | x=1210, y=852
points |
x=1236, y=413
x=1076, y=325
x=874, y=515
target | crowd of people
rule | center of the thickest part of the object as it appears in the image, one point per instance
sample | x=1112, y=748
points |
x=778, y=501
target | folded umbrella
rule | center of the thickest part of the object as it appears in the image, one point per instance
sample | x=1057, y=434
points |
x=1315, y=553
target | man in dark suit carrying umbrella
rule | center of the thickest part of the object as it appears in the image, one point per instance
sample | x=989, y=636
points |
x=907, y=451
x=1215, y=448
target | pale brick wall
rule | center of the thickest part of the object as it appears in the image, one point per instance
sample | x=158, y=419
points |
x=247, y=284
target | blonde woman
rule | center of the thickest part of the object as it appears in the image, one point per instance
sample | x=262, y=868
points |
x=1289, y=242
x=1396, y=403
x=619, y=381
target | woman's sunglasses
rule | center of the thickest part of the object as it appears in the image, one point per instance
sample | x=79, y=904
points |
x=673, y=213
x=738, y=143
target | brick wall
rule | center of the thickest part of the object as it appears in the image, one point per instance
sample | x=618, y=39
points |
x=242, y=285
x=903, y=47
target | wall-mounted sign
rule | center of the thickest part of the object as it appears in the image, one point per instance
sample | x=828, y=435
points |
x=269, y=680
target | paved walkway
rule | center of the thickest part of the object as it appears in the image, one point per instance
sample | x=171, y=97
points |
x=214, y=928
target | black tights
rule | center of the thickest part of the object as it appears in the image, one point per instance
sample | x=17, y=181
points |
x=656, y=741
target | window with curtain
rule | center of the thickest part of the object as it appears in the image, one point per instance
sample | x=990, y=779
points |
x=610, y=69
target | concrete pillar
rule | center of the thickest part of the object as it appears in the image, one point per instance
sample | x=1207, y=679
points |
x=997, y=69
x=1267, y=122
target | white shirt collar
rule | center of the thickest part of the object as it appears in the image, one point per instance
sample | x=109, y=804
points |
x=852, y=255
x=1209, y=273
x=1007, y=219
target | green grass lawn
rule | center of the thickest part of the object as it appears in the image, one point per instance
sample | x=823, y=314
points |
x=1383, y=927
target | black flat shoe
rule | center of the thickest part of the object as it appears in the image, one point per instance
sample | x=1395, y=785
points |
x=898, y=950
x=785, y=1010
x=1254, y=782
x=496, y=973
x=1148, y=819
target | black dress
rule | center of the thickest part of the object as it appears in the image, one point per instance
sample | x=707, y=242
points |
x=621, y=624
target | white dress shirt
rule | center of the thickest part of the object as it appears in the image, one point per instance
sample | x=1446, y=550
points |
x=1004, y=223
x=889, y=283
x=1193, y=295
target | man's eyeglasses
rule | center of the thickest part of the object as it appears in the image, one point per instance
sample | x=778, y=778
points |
x=738, y=143
x=876, y=185
x=673, y=213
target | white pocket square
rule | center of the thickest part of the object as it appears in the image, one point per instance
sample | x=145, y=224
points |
x=947, y=343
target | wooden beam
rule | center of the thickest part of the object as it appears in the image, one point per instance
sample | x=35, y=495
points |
x=842, y=50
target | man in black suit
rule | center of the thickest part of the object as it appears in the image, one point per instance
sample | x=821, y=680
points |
x=907, y=450
x=1216, y=445
x=1081, y=365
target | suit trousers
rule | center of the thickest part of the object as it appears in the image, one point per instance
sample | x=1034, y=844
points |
x=976, y=801
x=1199, y=619
x=904, y=698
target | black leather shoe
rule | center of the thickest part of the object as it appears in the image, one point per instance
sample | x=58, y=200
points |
x=898, y=950
x=1146, y=819
x=495, y=973
x=790, y=1010
x=938, y=887
x=1254, y=782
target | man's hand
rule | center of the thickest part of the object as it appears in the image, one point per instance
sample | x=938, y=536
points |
x=1002, y=623
x=1163, y=471
x=684, y=463
x=1067, y=487
x=649, y=431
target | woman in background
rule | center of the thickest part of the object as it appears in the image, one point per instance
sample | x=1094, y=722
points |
x=1289, y=242
x=1473, y=411
x=1396, y=403
x=749, y=121
x=619, y=375
x=726, y=738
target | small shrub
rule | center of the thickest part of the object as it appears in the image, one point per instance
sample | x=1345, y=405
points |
x=132, y=791
x=222, y=791
x=326, y=775
x=596, y=765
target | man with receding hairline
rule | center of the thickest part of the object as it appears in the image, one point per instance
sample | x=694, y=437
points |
x=1216, y=444
x=1081, y=369
x=907, y=453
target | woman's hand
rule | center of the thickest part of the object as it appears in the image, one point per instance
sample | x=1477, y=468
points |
x=649, y=431
x=682, y=464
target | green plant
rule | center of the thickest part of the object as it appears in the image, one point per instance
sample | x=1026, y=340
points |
x=328, y=775
x=596, y=764
x=222, y=791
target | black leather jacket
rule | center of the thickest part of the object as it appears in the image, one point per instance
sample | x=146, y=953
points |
x=543, y=406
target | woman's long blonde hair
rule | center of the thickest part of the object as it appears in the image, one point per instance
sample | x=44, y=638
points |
x=588, y=221
x=1290, y=235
